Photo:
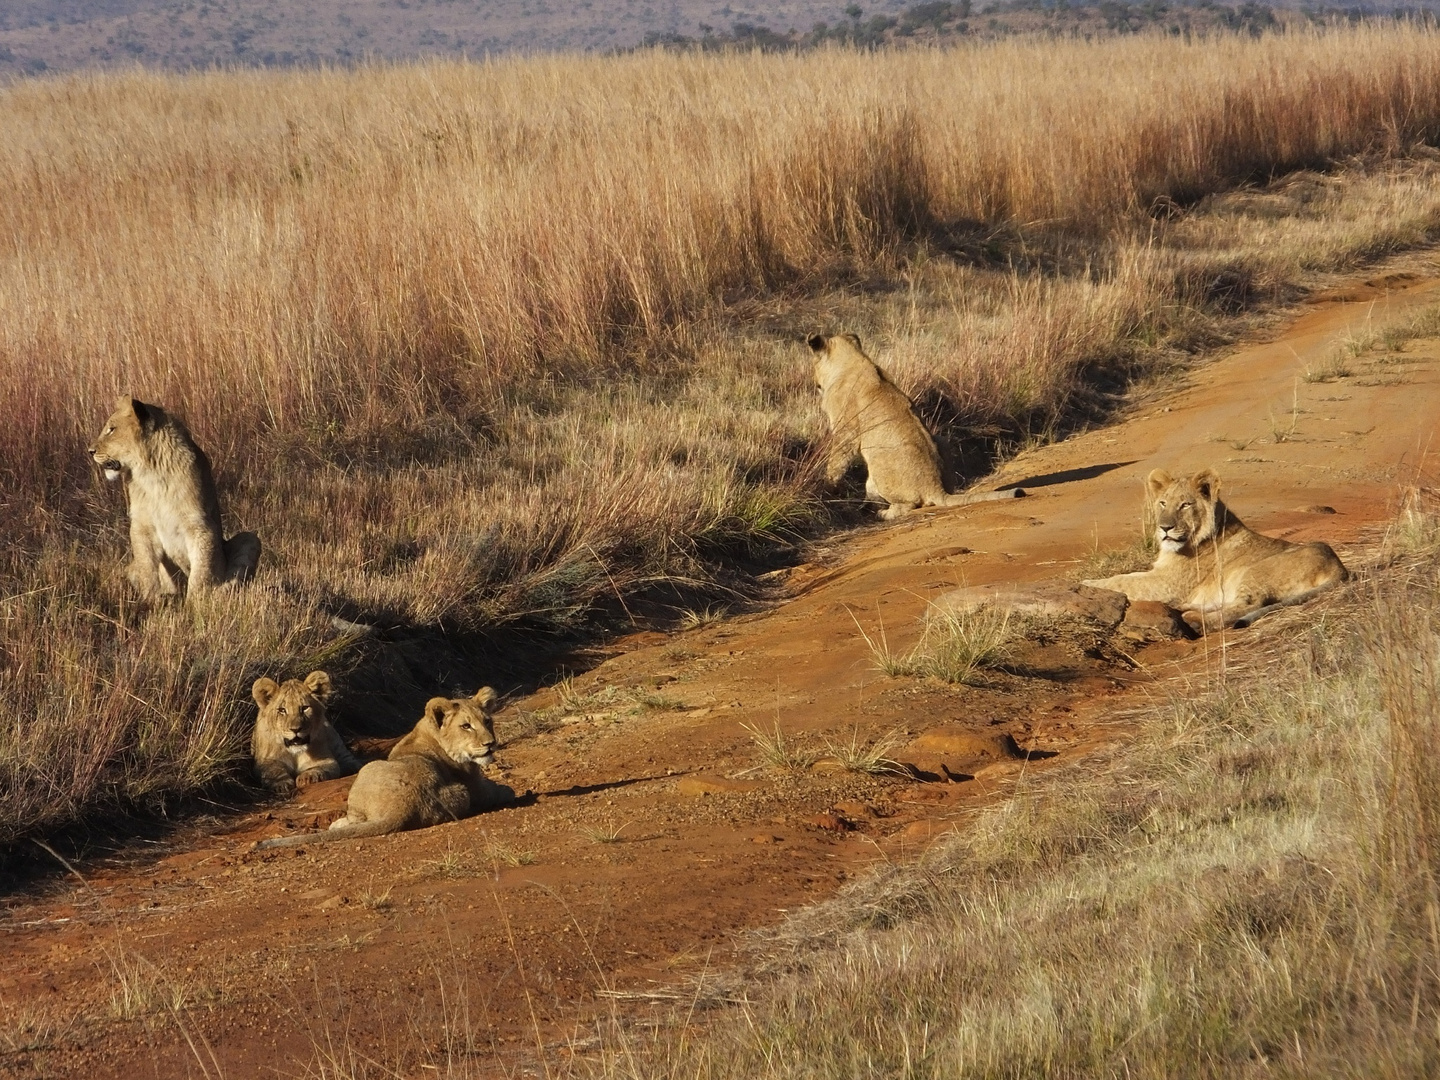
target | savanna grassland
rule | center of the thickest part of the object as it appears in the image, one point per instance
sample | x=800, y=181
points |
x=483, y=350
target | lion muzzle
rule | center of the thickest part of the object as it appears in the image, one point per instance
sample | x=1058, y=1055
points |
x=297, y=738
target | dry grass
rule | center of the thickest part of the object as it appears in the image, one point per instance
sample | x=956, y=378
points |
x=1249, y=889
x=476, y=345
x=953, y=647
x=779, y=751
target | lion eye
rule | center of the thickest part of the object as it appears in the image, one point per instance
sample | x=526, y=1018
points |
x=306, y=710
x=468, y=727
x=282, y=710
x=1185, y=504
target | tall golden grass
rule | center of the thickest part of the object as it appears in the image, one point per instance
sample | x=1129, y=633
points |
x=473, y=344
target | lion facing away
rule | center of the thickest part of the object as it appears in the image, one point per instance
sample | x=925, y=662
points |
x=431, y=776
x=1214, y=569
x=175, y=527
x=294, y=743
x=870, y=416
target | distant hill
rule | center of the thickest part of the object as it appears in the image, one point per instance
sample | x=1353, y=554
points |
x=39, y=36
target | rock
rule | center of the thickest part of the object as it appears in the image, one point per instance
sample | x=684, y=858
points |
x=922, y=830
x=831, y=822
x=764, y=838
x=955, y=754
x=701, y=784
x=856, y=811
x=1152, y=620
x=1045, y=599
x=1316, y=508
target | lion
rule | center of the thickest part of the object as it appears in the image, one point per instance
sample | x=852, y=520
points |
x=175, y=527
x=1215, y=570
x=870, y=416
x=294, y=743
x=433, y=775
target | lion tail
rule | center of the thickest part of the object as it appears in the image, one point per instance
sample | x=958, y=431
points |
x=967, y=497
x=340, y=832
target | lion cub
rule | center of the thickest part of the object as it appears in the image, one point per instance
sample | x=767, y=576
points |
x=869, y=416
x=294, y=743
x=174, y=510
x=1216, y=571
x=432, y=775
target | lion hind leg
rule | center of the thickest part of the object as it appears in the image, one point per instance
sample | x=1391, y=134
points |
x=897, y=510
x=242, y=557
x=1251, y=617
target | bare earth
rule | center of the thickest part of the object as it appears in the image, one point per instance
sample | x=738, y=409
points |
x=657, y=831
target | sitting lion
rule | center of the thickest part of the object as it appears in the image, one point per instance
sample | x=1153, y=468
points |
x=1215, y=570
x=174, y=510
x=432, y=775
x=870, y=416
x=294, y=743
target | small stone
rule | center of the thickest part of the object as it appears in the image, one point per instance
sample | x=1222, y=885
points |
x=830, y=822
x=764, y=838
x=855, y=811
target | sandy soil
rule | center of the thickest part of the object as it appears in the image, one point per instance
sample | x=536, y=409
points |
x=656, y=829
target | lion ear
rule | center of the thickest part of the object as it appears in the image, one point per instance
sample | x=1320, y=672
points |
x=816, y=343
x=264, y=691
x=144, y=413
x=854, y=339
x=1157, y=482
x=437, y=708
x=486, y=697
x=318, y=684
x=1206, y=483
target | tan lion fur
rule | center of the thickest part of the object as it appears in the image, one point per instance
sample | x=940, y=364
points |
x=294, y=743
x=869, y=416
x=175, y=527
x=1214, y=569
x=432, y=775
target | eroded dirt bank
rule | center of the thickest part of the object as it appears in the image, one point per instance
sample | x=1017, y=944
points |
x=658, y=827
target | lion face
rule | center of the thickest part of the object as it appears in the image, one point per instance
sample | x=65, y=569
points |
x=1185, y=510
x=463, y=726
x=296, y=710
x=120, y=444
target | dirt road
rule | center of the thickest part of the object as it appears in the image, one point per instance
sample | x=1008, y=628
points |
x=661, y=824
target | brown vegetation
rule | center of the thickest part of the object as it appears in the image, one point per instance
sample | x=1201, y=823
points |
x=485, y=345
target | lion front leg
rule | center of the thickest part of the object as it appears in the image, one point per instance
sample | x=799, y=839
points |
x=1141, y=585
x=147, y=571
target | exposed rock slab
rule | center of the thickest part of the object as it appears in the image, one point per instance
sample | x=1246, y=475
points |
x=1045, y=599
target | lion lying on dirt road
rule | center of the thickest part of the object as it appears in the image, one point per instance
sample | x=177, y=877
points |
x=294, y=743
x=174, y=510
x=870, y=416
x=1212, y=568
x=432, y=775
